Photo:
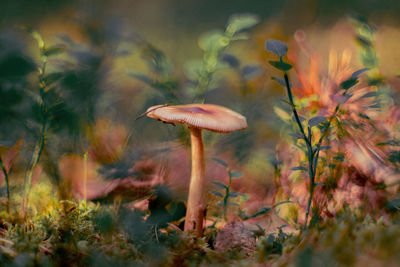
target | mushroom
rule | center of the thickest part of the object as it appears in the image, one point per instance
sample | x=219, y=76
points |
x=198, y=117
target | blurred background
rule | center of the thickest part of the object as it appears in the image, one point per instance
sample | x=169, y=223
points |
x=111, y=60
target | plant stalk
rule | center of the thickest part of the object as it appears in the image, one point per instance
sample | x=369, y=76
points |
x=3, y=167
x=34, y=162
x=296, y=115
x=42, y=141
x=85, y=174
x=226, y=198
x=310, y=153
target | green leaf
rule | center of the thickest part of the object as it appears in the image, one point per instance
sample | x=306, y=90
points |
x=324, y=147
x=193, y=69
x=339, y=157
x=218, y=194
x=279, y=48
x=394, y=156
x=220, y=185
x=251, y=71
x=280, y=81
x=316, y=120
x=264, y=209
x=261, y=211
x=230, y=59
x=295, y=135
x=375, y=81
x=235, y=194
x=393, y=142
x=233, y=204
x=141, y=77
x=359, y=72
x=38, y=38
x=53, y=77
x=298, y=168
x=370, y=94
x=235, y=174
x=394, y=204
x=363, y=41
x=53, y=50
x=283, y=202
x=240, y=22
x=241, y=36
x=213, y=41
x=220, y=161
x=347, y=84
x=301, y=118
x=282, y=113
x=280, y=65
x=364, y=116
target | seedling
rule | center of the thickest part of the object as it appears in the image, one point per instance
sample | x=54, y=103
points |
x=227, y=194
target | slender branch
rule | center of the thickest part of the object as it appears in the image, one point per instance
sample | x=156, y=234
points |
x=313, y=160
x=313, y=155
x=308, y=140
x=296, y=115
x=311, y=174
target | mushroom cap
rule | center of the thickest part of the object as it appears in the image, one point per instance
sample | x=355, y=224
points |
x=204, y=116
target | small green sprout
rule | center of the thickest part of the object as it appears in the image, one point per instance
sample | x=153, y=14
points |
x=227, y=193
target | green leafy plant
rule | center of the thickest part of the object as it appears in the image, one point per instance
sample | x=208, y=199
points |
x=271, y=244
x=62, y=106
x=227, y=193
x=313, y=144
x=161, y=78
x=43, y=113
x=230, y=198
x=214, y=43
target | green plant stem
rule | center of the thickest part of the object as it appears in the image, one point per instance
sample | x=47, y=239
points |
x=208, y=72
x=310, y=154
x=34, y=162
x=41, y=142
x=226, y=198
x=85, y=176
x=311, y=174
x=296, y=115
x=326, y=130
x=3, y=167
x=313, y=157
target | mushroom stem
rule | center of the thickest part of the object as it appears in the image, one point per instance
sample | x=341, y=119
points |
x=196, y=204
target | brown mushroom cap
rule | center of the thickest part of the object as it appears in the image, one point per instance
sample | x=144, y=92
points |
x=204, y=116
